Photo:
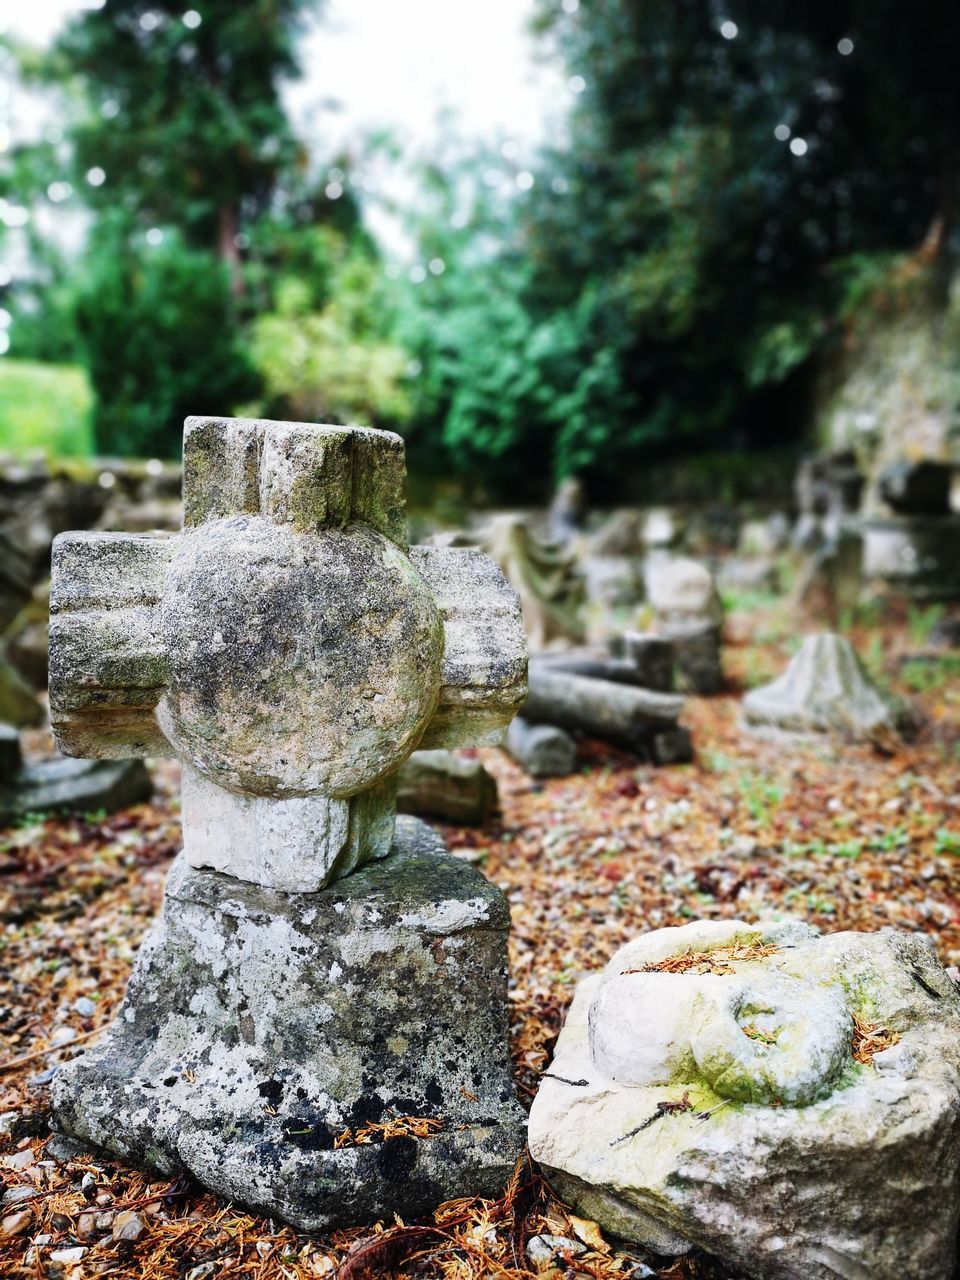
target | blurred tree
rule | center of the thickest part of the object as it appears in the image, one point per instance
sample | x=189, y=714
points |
x=324, y=346
x=733, y=170
x=161, y=339
x=180, y=145
x=185, y=127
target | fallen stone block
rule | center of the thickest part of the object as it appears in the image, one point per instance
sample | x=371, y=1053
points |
x=439, y=784
x=615, y=713
x=64, y=785
x=542, y=750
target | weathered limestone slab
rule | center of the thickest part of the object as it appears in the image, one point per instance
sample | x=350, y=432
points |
x=286, y=646
x=438, y=784
x=826, y=689
x=722, y=1106
x=260, y=1026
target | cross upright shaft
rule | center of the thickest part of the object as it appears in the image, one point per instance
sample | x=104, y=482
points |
x=287, y=645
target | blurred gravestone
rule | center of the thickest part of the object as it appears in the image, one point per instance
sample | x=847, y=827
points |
x=688, y=612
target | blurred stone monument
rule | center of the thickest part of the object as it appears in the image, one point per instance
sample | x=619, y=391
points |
x=915, y=546
x=688, y=612
x=293, y=652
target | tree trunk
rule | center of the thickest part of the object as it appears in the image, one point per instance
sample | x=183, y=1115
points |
x=227, y=250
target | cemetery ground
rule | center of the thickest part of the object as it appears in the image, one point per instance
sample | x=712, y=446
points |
x=843, y=836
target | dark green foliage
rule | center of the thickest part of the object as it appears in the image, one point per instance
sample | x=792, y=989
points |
x=676, y=269
x=160, y=335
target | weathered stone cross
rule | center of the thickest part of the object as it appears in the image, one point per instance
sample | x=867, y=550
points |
x=287, y=646
x=292, y=651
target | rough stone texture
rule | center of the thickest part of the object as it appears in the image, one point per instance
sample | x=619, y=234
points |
x=918, y=555
x=259, y=1025
x=794, y=1161
x=296, y=844
x=543, y=750
x=483, y=676
x=688, y=611
x=285, y=646
x=289, y=656
x=826, y=689
x=438, y=784
x=916, y=488
x=57, y=786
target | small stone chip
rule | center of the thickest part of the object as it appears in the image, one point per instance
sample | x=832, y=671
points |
x=14, y=1224
x=541, y=1250
x=129, y=1226
x=72, y=1254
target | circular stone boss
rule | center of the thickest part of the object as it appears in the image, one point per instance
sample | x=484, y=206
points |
x=300, y=663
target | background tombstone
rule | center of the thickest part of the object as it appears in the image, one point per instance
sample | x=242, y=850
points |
x=293, y=652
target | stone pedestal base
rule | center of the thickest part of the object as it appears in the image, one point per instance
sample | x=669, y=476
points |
x=259, y=1027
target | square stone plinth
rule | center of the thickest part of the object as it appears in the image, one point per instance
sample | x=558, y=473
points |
x=258, y=1027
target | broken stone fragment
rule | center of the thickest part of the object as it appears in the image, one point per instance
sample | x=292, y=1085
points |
x=438, y=784
x=543, y=750
x=826, y=689
x=713, y=1065
x=688, y=611
x=66, y=786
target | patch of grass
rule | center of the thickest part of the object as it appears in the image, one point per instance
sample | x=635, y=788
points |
x=45, y=406
x=761, y=795
x=931, y=675
x=947, y=841
x=922, y=620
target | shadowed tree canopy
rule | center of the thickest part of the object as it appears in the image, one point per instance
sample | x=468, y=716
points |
x=185, y=117
x=735, y=181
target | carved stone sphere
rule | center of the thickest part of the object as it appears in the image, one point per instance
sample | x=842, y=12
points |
x=300, y=664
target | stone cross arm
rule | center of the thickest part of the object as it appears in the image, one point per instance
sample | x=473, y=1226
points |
x=287, y=644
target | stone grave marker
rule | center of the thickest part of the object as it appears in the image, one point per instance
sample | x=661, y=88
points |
x=322, y=1046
